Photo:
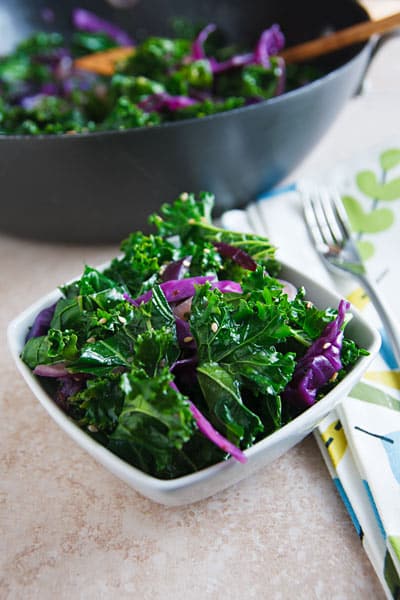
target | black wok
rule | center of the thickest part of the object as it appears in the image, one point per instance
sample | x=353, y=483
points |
x=98, y=187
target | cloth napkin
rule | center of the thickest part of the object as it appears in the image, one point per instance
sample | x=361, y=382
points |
x=360, y=439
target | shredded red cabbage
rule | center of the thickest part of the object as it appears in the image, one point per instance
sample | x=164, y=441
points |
x=198, y=44
x=69, y=386
x=87, y=21
x=42, y=322
x=319, y=364
x=56, y=370
x=30, y=102
x=212, y=434
x=176, y=290
x=183, y=334
x=270, y=43
x=159, y=102
x=238, y=255
x=289, y=289
x=239, y=60
x=176, y=269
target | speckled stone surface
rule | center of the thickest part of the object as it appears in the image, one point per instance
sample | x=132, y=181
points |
x=71, y=530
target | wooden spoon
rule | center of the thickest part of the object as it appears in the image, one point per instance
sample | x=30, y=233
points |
x=340, y=39
x=104, y=63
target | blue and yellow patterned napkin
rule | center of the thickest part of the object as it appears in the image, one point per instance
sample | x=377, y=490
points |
x=360, y=440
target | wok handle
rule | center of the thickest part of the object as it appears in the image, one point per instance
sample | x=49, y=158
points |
x=340, y=39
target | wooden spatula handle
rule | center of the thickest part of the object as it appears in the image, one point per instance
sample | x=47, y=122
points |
x=340, y=39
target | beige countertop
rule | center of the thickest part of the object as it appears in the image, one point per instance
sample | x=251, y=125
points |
x=70, y=529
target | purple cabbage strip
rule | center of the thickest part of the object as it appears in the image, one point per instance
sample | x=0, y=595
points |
x=176, y=269
x=212, y=434
x=176, y=290
x=270, y=43
x=198, y=44
x=226, y=286
x=42, y=322
x=239, y=60
x=158, y=102
x=49, y=89
x=238, y=255
x=30, y=102
x=185, y=364
x=289, y=289
x=69, y=386
x=55, y=370
x=87, y=21
x=319, y=364
x=184, y=335
x=185, y=373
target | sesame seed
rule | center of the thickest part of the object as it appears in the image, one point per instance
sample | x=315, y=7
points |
x=92, y=428
x=186, y=263
x=206, y=250
x=91, y=340
x=184, y=196
x=214, y=327
x=334, y=377
x=121, y=319
x=188, y=339
x=309, y=304
x=326, y=345
x=102, y=321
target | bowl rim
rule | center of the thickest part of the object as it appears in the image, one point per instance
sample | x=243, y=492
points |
x=17, y=330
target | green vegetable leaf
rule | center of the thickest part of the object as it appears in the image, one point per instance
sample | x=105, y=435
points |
x=225, y=327
x=155, y=349
x=156, y=57
x=190, y=219
x=253, y=81
x=93, y=281
x=101, y=403
x=155, y=421
x=266, y=370
x=67, y=315
x=224, y=401
x=141, y=264
x=103, y=356
x=56, y=346
x=36, y=352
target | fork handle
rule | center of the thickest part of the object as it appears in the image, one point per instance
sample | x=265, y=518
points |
x=389, y=322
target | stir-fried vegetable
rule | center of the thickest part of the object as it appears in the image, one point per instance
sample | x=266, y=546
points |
x=42, y=91
x=187, y=349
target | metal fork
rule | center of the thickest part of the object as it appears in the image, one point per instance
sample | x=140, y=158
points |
x=329, y=229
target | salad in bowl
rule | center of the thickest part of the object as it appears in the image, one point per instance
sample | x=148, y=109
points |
x=192, y=358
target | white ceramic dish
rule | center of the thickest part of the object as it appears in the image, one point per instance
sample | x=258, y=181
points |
x=206, y=482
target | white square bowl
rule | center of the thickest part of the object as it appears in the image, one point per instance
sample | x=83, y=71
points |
x=204, y=483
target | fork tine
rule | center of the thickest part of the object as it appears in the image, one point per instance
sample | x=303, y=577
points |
x=331, y=216
x=341, y=214
x=311, y=220
x=317, y=203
